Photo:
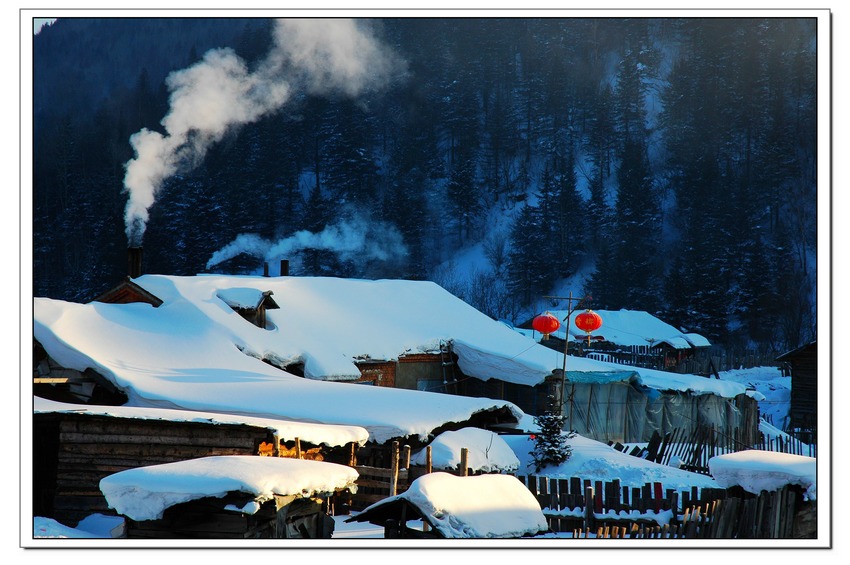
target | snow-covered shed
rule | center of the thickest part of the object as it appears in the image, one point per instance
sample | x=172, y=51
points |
x=459, y=507
x=229, y=497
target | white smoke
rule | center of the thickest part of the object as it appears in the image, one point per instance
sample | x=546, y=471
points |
x=351, y=239
x=220, y=93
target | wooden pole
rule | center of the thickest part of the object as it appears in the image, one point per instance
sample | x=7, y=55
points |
x=428, y=469
x=297, y=448
x=394, y=470
x=464, y=462
x=588, y=507
x=405, y=457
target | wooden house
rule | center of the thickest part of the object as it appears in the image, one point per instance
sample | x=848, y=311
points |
x=803, y=362
x=75, y=446
x=57, y=382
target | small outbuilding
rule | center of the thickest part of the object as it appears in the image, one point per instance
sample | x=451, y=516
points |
x=242, y=497
x=482, y=506
x=804, y=390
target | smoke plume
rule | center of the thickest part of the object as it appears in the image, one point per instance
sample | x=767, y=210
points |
x=351, y=239
x=220, y=93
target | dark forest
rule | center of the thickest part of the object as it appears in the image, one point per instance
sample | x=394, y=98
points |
x=673, y=161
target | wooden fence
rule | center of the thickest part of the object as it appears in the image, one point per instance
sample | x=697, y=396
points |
x=789, y=444
x=691, y=451
x=704, y=362
x=378, y=483
x=608, y=510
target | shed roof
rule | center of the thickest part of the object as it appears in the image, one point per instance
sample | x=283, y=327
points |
x=127, y=292
x=464, y=507
x=247, y=298
x=144, y=493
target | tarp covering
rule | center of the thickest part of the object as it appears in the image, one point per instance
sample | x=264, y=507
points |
x=628, y=413
x=600, y=377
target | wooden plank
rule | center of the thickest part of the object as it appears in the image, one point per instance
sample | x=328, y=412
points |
x=381, y=472
x=177, y=440
x=363, y=482
x=143, y=454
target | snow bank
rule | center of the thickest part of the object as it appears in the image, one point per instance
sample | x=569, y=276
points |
x=755, y=471
x=488, y=452
x=144, y=493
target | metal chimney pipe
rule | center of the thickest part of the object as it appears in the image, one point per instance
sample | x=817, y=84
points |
x=284, y=267
x=134, y=262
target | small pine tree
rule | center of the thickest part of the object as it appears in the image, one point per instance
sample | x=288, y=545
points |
x=550, y=444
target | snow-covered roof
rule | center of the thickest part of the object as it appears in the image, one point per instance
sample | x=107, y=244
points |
x=697, y=340
x=678, y=342
x=487, y=452
x=244, y=298
x=144, y=493
x=195, y=352
x=468, y=507
x=317, y=434
x=631, y=327
x=755, y=471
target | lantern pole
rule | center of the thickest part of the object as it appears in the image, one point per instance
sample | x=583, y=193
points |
x=570, y=310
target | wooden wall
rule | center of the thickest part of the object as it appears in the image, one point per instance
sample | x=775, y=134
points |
x=73, y=452
x=804, y=387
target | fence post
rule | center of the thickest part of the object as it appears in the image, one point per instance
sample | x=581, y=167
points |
x=464, y=462
x=588, y=507
x=405, y=457
x=394, y=470
x=297, y=448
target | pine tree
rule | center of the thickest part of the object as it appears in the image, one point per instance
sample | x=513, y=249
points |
x=529, y=273
x=551, y=445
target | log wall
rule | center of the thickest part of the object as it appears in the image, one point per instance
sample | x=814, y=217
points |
x=73, y=452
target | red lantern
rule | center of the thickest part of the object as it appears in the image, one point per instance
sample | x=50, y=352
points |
x=588, y=321
x=546, y=324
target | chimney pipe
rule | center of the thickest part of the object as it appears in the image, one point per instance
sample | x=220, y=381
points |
x=265, y=269
x=134, y=262
x=284, y=267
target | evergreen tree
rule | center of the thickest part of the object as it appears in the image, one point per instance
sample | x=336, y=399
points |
x=529, y=273
x=551, y=445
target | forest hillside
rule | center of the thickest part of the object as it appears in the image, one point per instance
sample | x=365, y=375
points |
x=665, y=165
